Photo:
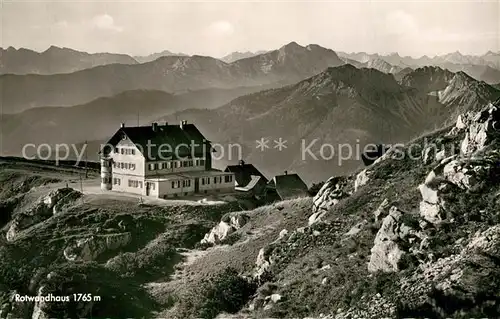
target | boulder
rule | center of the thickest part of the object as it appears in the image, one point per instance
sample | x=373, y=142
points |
x=463, y=121
x=226, y=227
x=263, y=262
x=89, y=248
x=431, y=206
x=328, y=196
x=386, y=253
x=361, y=179
x=482, y=129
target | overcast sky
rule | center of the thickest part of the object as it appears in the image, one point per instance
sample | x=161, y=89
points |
x=217, y=28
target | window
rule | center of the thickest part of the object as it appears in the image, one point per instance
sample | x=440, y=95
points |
x=116, y=181
x=228, y=178
x=175, y=164
x=173, y=184
x=122, y=151
x=215, y=180
x=178, y=184
x=140, y=184
x=168, y=165
x=203, y=181
x=132, y=183
x=202, y=162
x=133, y=152
x=117, y=150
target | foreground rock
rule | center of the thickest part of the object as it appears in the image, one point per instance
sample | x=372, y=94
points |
x=228, y=225
x=387, y=253
x=334, y=190
x=47, y=206
x=89, y=248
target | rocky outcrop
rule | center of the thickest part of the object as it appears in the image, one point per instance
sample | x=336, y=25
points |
x=432, y=154
x=228, y=225
x=335, y=189
x=381, y=210
x=264, y=262
x=470, y=277
x=44, y=208
x=89, y=248
x=386, y=252
x=431, y=206
x=481, y=130
x=361, y=179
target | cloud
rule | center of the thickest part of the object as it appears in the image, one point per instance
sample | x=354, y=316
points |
x=220, y=28
x=105, y=22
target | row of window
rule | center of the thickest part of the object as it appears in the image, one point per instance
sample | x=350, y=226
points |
x=175, y=164
x=217, y=179
x=116, y=181
x=185, y=183
x=121, y=165
x=125, y=151
x=136, y=184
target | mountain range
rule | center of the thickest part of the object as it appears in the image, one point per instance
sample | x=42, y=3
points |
x=234, y=56
x=45, y=124
x=174, y=74
x=154, y=56
x=55, y=60
x=342, y=105
x=297, y=93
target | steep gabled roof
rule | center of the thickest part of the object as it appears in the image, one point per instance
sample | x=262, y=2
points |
x=163, y=139
x=288, y=186
x=243, y=173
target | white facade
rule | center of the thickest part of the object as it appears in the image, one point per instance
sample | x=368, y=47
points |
x=125, y=169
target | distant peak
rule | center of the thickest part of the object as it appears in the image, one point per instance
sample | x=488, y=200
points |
x=292, y=45
x=53, y=47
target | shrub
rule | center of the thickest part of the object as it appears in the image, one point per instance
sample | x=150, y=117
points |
x=223, y=292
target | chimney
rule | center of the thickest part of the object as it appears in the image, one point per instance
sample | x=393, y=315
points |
x=166, y=123
x=286, y=172
x=183, y=122
x=242, y=162
x=154, y=126
x=122, y=125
